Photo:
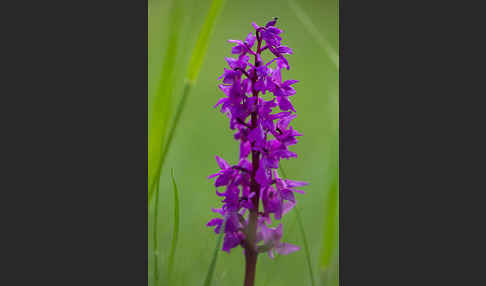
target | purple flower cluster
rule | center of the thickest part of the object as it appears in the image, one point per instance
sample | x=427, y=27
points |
x=265, y=137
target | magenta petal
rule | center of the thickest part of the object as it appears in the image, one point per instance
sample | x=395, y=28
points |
x=274, y=30
x=221, y=181
x=277, y=234
x=245, y=148
x=271, y=254
x=231, y=240
x=284, y=50
x=265, y=233
x=286, y=248
x=293, y=184
x=221, y=162
x=220, y=101
x=219, y=211
x=288, y=195
x=290, y=82
x=215, y=222
x=287, y=206
x=284, y=103
x=261, y=176
x=271, y=23
x=250, y=40
x=213, y=175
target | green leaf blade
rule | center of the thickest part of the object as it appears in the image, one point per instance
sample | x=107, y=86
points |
x=161, y=104
x=214, y=259
x=202, y=43
x=176, y=227
x=306, y=246
x=155, y=236
x=330, y=227
x=157, y=133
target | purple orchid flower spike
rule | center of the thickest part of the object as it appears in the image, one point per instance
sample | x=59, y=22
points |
x=264, y=134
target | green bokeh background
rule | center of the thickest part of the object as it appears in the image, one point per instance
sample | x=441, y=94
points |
x=203, y=132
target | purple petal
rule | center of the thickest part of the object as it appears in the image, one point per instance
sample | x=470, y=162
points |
x=283, y=63
x=261, y=175
x=257, y=136
x=223, y=179
x=233, y=63
x=277, y=234
x=222, y=163
x=219, y=211
x=232, y=224
x=284, y=50
x=213, y=175
x=215, y=222
x=274, y=30
x=245, y=148
x=284, y=122
x=238, y=50
x=250, y=40
x=286, y=248
x=293, y=184
x=271, y=253
x=285, y=104
x=230, y=241
x=290, y=82
x=265, y=233
x=260, y=85
x=287, y=206
x=220, y=101
x=287, y=195
x=281, y=115
x=236, y=42
x=272, y=22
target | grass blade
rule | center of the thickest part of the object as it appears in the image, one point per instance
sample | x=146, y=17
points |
x=302, y=232
x=201, y=47
x=156, y=240
x=162, y=100
x=176, y=228
x=330, y=236
x=311, y=28
x=161, y=109
x=330, y=276
x=197, y=59
x=180, y=108
x=212, y=266
x=306, y=246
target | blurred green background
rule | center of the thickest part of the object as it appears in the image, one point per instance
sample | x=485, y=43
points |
x=203, y=132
